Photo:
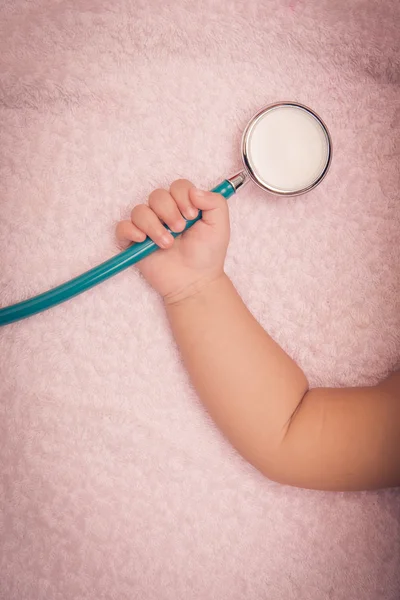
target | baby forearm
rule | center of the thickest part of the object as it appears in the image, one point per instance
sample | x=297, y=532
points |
x=249, y=385
x=326, y=438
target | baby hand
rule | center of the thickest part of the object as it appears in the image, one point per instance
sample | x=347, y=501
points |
x=183, y=265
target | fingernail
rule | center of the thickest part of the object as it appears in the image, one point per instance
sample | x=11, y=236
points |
x=165, y=240
x=179, y=225
x=199, y=193
x=192, y=212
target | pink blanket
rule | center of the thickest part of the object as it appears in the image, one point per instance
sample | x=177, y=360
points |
x=114, y=483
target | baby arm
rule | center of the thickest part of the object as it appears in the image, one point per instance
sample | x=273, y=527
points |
x=332, y=439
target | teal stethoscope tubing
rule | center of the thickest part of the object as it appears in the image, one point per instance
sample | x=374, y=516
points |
x=123, y=260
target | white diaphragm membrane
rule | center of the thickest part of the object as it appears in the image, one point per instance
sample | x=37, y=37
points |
x=287, y=149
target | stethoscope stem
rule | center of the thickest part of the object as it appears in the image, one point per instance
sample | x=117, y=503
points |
x=239, y=180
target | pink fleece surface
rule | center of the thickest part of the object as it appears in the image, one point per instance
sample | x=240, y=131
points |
x=114, y=482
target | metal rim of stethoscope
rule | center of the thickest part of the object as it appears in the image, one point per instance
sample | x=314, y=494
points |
x=248, y=170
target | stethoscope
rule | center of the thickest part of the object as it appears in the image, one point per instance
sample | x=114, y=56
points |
x=286, y=150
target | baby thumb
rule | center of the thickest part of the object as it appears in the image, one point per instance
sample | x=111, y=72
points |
x=214, y=207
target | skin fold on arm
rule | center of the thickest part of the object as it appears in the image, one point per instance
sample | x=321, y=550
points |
x=329, y=439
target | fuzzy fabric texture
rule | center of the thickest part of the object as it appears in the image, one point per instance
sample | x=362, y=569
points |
x=114, y=482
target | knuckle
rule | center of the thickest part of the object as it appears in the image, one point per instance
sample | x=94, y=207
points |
x=142, y=215
x=180, y=184
x=119, y=230
x=157, y=196
x=138, y=210
x=219, y=200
